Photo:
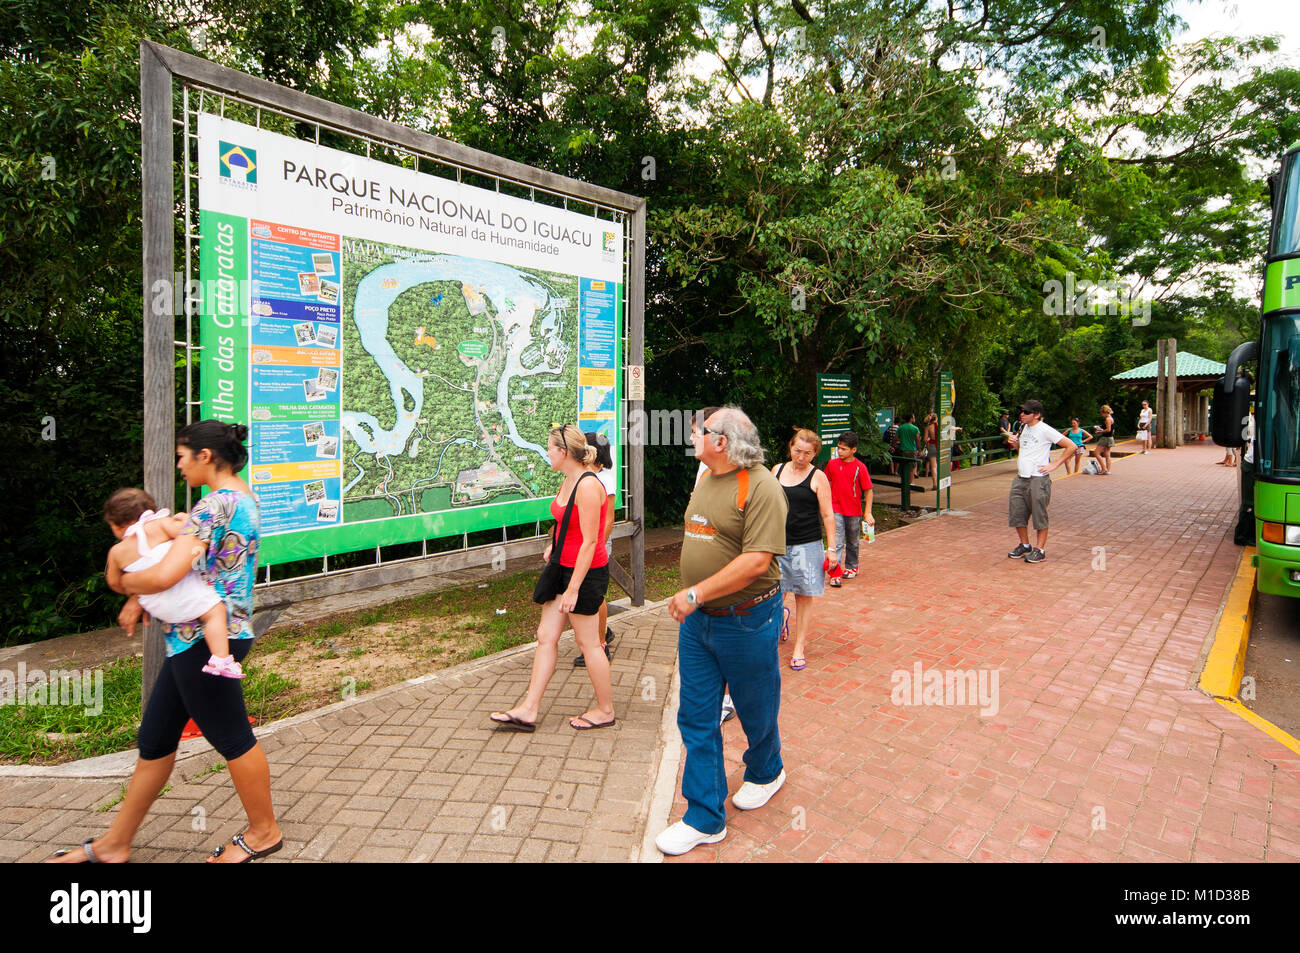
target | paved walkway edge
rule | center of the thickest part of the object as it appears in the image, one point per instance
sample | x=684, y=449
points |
x=1226, y=664
x=665, y=786
x=1221, y=677
x=121, y=764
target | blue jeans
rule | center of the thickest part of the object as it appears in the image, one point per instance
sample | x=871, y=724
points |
x=739, y=652
x=848, y=531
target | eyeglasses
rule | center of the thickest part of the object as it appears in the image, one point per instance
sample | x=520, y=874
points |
x=705, y=431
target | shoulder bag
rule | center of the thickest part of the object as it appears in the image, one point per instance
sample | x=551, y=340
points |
x=548, y=583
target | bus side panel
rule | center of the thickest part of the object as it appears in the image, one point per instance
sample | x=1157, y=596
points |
x=1275, y=561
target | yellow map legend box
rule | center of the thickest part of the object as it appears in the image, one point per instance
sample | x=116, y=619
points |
x=596, y=377
x=288, y=472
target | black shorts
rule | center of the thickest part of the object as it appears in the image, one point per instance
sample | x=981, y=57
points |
x=592, y=591
x=183, y=691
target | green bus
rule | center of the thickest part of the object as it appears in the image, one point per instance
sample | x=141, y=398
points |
x=1272, y=485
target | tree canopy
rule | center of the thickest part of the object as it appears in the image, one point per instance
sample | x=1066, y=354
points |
x=884, y=189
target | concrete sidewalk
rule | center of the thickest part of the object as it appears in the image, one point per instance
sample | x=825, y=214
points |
x=411, y=773
x=1101, y=747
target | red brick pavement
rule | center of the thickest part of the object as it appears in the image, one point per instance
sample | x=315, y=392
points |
x=1102, y=748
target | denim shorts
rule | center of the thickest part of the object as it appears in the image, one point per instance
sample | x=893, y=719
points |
x=801, y=569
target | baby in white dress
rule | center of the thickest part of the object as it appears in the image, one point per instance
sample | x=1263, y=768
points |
x=146, y=536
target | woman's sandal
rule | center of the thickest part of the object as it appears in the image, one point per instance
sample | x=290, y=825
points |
x=90, y=853
x=238, y=841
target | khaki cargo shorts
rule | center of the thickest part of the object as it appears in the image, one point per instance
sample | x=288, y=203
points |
x=1030, y=495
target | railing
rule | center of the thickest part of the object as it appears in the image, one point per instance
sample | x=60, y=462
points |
x=978, y=451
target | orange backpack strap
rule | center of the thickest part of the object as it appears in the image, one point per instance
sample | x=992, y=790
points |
x=742, y=489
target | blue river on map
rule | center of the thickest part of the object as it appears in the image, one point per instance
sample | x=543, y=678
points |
x=499, y=283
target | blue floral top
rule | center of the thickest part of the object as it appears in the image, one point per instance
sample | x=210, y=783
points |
x=228, y=522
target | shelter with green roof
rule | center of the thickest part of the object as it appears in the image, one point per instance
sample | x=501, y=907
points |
x=1196, y=379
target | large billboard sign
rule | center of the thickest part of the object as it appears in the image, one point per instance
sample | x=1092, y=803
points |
x=398, y=343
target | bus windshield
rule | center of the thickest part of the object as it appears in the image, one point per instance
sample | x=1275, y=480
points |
x=1278, y=404
x=1286, y=222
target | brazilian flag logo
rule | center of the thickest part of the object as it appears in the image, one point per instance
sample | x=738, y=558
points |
x=238, y=163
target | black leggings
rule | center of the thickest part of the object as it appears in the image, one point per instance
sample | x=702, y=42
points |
x=184, y=691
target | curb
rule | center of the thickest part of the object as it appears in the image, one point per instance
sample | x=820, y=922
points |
x=665, y=784
x=1226, y=663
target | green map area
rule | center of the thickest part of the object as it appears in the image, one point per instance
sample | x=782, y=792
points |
x=453, y=371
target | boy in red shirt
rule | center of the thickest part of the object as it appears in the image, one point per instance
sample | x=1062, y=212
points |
x=850, y=483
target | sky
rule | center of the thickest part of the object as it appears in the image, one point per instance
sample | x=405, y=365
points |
x=1242, y=18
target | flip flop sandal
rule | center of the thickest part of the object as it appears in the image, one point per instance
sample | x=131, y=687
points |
x=588, y=724
x=803, y=664
x=511, y=723
x=238, y=841
x=90, y=853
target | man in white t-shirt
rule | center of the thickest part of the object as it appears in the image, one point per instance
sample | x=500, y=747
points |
x=1031, y=490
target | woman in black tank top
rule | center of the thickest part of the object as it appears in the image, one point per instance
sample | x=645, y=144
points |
x=808, y=494
x=803, y=519
x=1105, y=435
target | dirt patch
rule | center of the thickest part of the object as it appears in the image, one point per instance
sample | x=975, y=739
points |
x=362, y=659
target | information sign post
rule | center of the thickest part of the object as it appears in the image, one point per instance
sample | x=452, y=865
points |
x=834, y=411
x=945, y=399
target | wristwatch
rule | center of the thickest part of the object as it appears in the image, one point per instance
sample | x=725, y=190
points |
x=690, y=596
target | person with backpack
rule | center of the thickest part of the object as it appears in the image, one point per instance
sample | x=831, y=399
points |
x=729, y=611
x=890, y=437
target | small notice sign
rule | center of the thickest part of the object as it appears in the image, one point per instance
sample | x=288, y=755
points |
x=636, y=382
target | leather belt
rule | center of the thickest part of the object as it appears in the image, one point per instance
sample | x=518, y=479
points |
x=742, y=608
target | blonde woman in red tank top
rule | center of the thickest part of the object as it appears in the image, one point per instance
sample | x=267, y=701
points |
x=583, y=580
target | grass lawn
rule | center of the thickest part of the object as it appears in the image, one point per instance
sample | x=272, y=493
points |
x=49, y=734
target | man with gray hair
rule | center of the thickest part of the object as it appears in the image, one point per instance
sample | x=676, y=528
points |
x=730, y=622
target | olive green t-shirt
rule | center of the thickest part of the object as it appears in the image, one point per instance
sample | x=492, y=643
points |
x=908, y=437
x=717, y=532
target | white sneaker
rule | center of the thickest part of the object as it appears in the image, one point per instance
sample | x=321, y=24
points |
x=681, y=837
x=753, y=795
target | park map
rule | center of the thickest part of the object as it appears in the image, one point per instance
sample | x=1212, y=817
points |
x=455, y=369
